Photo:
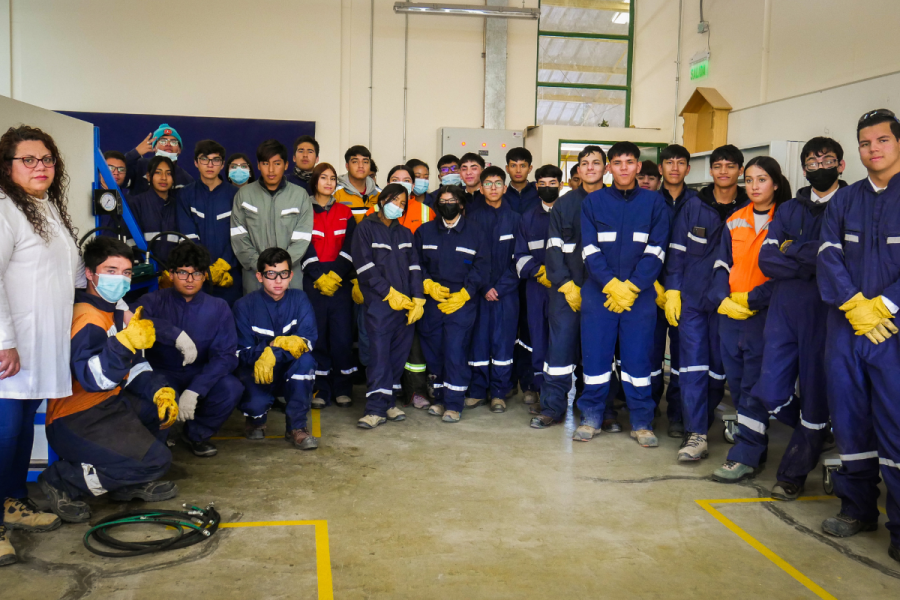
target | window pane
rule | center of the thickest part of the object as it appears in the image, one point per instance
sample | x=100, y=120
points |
x=583, y=108
x=596, y=62
x=585, y=16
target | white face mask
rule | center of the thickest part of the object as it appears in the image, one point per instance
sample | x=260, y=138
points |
x=170, y=155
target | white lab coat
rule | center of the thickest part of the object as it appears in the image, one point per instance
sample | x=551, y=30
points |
x=37, y=291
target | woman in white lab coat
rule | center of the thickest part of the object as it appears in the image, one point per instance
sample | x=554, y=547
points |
x=39, y=263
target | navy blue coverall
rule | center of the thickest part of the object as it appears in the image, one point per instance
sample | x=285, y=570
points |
x=385, y=258
x=259, y=320
x=860, y=253
x=455, y=257
x=204, y=216
x=531, y=241
x=625, y=236
x=136, y=177
x=209, y=323
x=155, y=215
x=522, y=202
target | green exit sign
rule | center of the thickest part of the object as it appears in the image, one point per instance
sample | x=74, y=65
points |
x=700, y=69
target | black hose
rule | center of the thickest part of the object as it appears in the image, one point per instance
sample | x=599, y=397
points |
x=191, y=527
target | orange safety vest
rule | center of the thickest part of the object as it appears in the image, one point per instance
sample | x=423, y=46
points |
x=745, y=245
x=416, y=214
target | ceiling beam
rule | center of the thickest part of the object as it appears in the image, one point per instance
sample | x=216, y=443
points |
x=592, y=4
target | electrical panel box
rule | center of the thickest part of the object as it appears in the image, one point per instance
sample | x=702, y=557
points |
x=491, y=144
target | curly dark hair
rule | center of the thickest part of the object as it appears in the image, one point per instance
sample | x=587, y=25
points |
x=9, y=143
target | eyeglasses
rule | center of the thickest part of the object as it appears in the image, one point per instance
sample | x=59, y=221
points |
x=205, y=160
x=881, y=112
x=172, y=143
x=493, y=184
x=453, y=169
x=828, y=163
x=31, y=162
x=113, y=169
x=185, y=275
x=276, y=274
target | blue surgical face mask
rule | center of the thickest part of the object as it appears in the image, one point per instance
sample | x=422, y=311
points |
x=451, y=179
x=421, y=187
x=112, y=288
x=392, y=211
x=407, y=185
x=239, y=175
x=170, y=155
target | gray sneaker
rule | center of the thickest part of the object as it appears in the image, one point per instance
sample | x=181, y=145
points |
x=732, y=472
x=786, y=491
x=70, y=511
x=693, y=448
x=844, y=525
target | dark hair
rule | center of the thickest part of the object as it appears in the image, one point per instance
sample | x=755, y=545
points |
x=674, y=151
x=207, y=147
x=269, y=149
x=624, y=149
x=57, y=191
x=316, y=173
x=551, y=171
x=96, y=251
x=773, y=169
x=188, y=254
x=573, y=171
x=821, y=145
x=154, y=164
x=457, y=192
x=271, y=257
x=648, y=167
x=471, y=157
x=227, y=166
x=373, y=168
x=390, y=192
x=400, y=168
x=306, y=139
x=517, y=154
x=356, y=151
x=415, y=162
x=447, y=159
x=727, y=153
x=879, y=115
x=493, y=171
x=590, y=150
x=113, y=154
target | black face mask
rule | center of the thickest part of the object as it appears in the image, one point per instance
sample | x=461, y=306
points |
x=548, y=194
x=822, y=179
x=448, y=211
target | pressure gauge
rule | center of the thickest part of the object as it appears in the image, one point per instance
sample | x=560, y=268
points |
x=106, y=202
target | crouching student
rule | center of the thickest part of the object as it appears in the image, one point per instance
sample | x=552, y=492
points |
x=201, y=326
x=110, y=433
x=454, y=255
x=742, y=292
x=390, y=280
x=494, y=337
x=276, y=329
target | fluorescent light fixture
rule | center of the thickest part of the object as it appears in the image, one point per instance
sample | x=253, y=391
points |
x=466, y=10
x=620, y=18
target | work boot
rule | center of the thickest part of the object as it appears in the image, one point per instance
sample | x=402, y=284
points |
x=844, y=525
x=436, y=410
x=610, y=426
x=429, y=386
x=25, y=516
x=317, y=403
x=450, y=416
x=473, y=402
x=531, y=397
x=302, y=439
x=395, y=414
x=7, y=552
x=154, y=491
x=676, y=429
x=253, y=431
x=498, y=405
x=785, y=490
x=645, y=438
x=732, y=472
x=203, y=448
x=420, y=401
x=70, y=511
x=343, y=401
x=893, y=552
x=542, y=422
x=370, y=422
x=693, y=448
x=584, y=433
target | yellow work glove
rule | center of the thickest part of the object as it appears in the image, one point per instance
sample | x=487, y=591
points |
x=416, y=312
x=741, y=298
x=613, y=306
x=264, y=369
x=165, y=403
x=454, y=302
x=881, y=332
x=334, y=277
x=573, y=295
x=165, y=280
x=436, y=290
x=853, y=302
x=624, y=293
x=294, y=344
x=326, y=285
x=541, y=276
x=356, y=293
x=660, y=295
x=219, y=275
x=398, y=301
x=867, y=315
x=733, y=310
x=673, y=307
x=140, y=333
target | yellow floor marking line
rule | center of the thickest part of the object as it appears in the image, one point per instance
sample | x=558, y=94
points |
x=323, y=552
x=756, y=545
x=316, y=423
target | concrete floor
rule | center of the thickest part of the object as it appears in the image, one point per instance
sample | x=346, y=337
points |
x=486, y=508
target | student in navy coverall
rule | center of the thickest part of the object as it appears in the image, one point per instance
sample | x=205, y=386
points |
x=155, y=210
x=165, y=141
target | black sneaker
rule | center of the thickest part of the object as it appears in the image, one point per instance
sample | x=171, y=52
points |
x=203, y=448
x=70, y=511
x=894, y=552
x=787, y=491
x=155, y=491
x=844, y=525
x=676, y=429
x=610, y=426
